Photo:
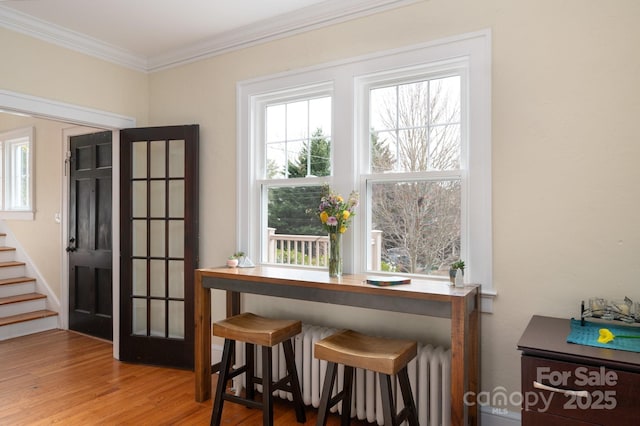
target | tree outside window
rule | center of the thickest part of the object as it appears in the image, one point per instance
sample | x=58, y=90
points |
x=416, y=147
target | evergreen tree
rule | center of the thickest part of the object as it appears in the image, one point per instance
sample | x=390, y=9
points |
x=288, y=206
x=313, y=159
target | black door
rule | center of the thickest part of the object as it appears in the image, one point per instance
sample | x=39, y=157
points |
x=90, y=245
x=159, y=244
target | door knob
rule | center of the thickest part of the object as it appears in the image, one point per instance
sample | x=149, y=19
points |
x=72, y=245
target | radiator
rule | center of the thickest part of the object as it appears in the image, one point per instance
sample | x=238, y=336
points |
x=429, y=374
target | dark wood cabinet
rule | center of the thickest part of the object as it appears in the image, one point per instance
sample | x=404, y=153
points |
x=569, y=384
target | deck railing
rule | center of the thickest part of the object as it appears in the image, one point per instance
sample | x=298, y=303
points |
x=311, y=250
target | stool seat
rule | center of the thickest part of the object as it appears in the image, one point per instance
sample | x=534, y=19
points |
x=354, y=349
x=254, y=330
x=251, y=328
x=385, y=356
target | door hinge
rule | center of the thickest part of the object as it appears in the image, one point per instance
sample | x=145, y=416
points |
x=67, y=162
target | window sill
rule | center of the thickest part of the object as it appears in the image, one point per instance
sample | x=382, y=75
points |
x=17, y=215
x=486, y=300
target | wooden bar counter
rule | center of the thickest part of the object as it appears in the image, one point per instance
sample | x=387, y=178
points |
x=422, y=297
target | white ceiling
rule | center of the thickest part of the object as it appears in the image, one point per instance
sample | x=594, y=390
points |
x=154, y=34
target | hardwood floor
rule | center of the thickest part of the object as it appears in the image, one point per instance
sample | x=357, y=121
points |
x=61, y=377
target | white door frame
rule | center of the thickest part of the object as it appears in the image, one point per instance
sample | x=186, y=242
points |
x=96, y=120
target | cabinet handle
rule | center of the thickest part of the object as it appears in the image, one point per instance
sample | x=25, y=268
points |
x=582, y=393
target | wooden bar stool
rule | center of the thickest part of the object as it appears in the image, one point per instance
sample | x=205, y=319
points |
x=384, y=356
x=255, y=330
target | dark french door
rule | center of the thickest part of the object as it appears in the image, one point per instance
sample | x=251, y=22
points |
x=159, y=244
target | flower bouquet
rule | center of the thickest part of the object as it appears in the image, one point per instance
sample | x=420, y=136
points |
x=335, y=214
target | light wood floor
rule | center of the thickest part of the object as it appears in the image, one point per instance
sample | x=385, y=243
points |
x=61, y=377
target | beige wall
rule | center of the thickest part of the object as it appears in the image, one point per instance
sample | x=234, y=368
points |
x=565, y=179
x=566, y=186
x=33, y=67
x=41, y=237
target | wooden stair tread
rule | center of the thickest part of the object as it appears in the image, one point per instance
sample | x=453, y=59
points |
x=4, y=248
x=17, y=280
x=21, y=298
x=9, y=264
x=13, y=319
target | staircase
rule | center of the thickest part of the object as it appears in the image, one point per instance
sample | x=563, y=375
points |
x=22, y=309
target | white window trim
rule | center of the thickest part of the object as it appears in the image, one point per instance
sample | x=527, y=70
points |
x=474, y=48
x=27, y=214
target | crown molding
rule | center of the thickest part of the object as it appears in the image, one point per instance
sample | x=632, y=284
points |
x=310, y=18
x=55, y=34
x=307, y=19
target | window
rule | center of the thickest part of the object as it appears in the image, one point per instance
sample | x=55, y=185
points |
x=298, y=137
x=17, y=173
x=409, y=129
x=414, y=178
x=294, y=130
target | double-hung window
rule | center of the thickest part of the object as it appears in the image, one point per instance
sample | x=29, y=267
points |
x=17, y=173
x=408, y=129
x=413, y=169
x=294, y=130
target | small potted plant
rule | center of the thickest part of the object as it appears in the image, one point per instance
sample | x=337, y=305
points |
x=454, y=268
x=233, y=260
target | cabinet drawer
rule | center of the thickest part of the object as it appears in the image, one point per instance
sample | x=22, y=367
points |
x=533, y=418
x=597, y=395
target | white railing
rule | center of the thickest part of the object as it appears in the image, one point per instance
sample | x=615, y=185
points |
x=308, y=250
x=311, y=250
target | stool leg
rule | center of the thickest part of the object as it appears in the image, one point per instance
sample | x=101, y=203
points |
x=346, y=398
x=294, y=383
x=407, y=397
x=267, y=383
x=327, y=389
x=250, y=374
x=225, y=365
x=388, y=407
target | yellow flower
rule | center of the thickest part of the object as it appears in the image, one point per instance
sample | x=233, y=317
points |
x=340, y=199
x=345, y=215
x=342, y=229
x=605, y=336
x=323, y=217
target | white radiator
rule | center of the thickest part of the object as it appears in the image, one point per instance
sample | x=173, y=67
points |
x=429, y=374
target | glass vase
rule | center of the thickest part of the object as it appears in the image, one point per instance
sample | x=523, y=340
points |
x=335, y=254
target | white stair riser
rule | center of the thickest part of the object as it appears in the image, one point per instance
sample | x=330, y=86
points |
x=22, y=307
x=28, y=327
x=7, y=255
x=16, y=289
x=22, y=328
x=12, y=272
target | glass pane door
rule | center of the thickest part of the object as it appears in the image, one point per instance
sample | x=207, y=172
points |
x=158, y=238
x=162, y=240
